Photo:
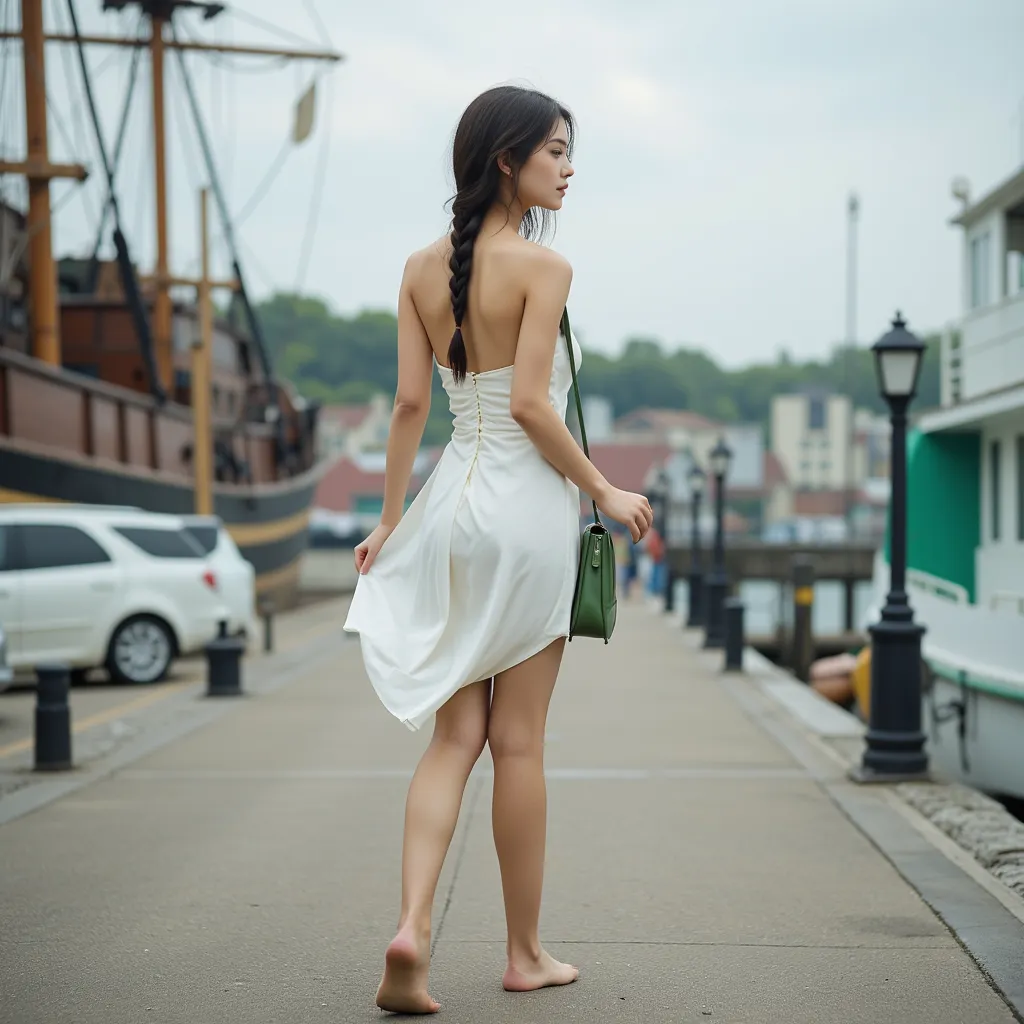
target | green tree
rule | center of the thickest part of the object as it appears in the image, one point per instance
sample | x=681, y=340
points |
x=349, y=359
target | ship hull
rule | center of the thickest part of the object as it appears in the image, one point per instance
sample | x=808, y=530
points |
x=268, y=522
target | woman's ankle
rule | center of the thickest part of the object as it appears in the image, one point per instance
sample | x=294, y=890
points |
x=524, y=952
x=417, y=923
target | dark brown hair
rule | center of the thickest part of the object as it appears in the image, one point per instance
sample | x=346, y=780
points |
x=507, y=119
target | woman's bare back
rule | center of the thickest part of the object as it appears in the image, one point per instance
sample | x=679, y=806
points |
x=497, y=295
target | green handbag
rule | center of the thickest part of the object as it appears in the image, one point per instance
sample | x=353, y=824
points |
x=593, y=602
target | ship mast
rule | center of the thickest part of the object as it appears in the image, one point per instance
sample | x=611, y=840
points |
x=162, y=339
x=44, y=321
x=39, y=171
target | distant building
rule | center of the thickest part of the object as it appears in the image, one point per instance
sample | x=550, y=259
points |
x=356, y=485
x=811, y=436
x=353, y=429
x=597, y=414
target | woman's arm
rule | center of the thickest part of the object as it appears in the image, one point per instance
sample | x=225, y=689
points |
x=547, y=283
x=408, y=418
x=412, y=402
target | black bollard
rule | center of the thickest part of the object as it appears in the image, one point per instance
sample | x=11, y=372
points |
x=734, y=639
x=267, y=608
x=53, y=718
x=670, y=586
x=803, y=612
x=224, y=664
x=695, y=612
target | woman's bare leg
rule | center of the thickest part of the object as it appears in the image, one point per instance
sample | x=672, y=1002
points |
x=431, y=813
x=515, y=733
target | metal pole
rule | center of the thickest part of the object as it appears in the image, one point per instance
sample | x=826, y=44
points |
x=894, y=740
x=803, y=614
x=202, y=459
x=44, y=322
x=717, y=583
x=162, y=304
x=853, y=209
x=695, y=616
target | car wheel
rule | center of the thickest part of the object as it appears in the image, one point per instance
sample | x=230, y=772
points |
x=141, y=650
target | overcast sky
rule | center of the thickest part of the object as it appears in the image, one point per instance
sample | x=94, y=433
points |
x=718, y=141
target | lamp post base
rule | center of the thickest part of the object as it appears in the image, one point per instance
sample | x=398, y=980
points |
x=895, y=742
x=862, y=774
x=716, y=589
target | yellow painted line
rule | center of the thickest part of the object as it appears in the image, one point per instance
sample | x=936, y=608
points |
x=109, y=715
x=9, y=497
x=263, y=533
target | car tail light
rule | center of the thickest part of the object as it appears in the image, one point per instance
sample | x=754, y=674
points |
x=210, y=579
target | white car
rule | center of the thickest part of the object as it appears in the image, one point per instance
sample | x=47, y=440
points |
x=236, y=577
x=92, y=585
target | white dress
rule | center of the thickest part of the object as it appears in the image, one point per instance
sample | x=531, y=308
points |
x=479, y=573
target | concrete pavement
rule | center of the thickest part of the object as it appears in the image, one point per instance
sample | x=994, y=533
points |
x=707, y=861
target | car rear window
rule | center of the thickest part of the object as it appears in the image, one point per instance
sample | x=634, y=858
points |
x=161, y=543
x=204, y=536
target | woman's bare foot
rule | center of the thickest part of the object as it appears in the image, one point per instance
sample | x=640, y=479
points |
x=526, y=974
x=403, y=989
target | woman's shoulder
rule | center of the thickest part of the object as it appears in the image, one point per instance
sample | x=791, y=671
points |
x=519, y=254
x=537, y=263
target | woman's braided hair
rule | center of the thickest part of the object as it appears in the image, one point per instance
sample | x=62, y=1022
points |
x=506, y=120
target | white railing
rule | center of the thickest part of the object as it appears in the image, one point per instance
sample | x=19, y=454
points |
x=928, y=584
x=991, y=349
x=950, y=368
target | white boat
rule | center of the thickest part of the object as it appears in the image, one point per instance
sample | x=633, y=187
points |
x=965, y=526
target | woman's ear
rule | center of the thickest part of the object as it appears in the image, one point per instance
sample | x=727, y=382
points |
x=504, y=164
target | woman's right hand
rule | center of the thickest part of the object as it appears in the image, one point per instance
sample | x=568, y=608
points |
x=632, y=510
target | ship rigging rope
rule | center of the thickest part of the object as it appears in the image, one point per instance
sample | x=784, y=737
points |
x=121, y=134
x=316, y=197
x=237, y=64
x=281, y=33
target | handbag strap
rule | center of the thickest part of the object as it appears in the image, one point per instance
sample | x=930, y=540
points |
x=567, y=334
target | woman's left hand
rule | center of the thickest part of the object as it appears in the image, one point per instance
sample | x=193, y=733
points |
x=366, y=553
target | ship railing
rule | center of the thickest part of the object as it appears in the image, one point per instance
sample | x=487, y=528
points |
x=937, y=586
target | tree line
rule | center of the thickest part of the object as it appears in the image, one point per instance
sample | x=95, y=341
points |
x=339, y=359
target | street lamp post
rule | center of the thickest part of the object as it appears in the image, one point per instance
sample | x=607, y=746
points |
x=895, y=742
x=695, y=616
x=717, y=586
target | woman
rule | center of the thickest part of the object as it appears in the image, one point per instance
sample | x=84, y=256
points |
x=463, y=603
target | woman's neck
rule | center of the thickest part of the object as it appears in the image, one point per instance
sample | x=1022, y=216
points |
x=502, y=218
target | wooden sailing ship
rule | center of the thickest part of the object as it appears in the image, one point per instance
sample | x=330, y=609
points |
x=105, y=376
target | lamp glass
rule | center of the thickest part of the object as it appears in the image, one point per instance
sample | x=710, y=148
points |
x=695, y=478
x=897, y=371
x=719, y=459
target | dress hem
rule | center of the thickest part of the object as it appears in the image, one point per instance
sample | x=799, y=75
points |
x=417, y=721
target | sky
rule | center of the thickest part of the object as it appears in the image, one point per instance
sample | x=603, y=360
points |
x=718, y=142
